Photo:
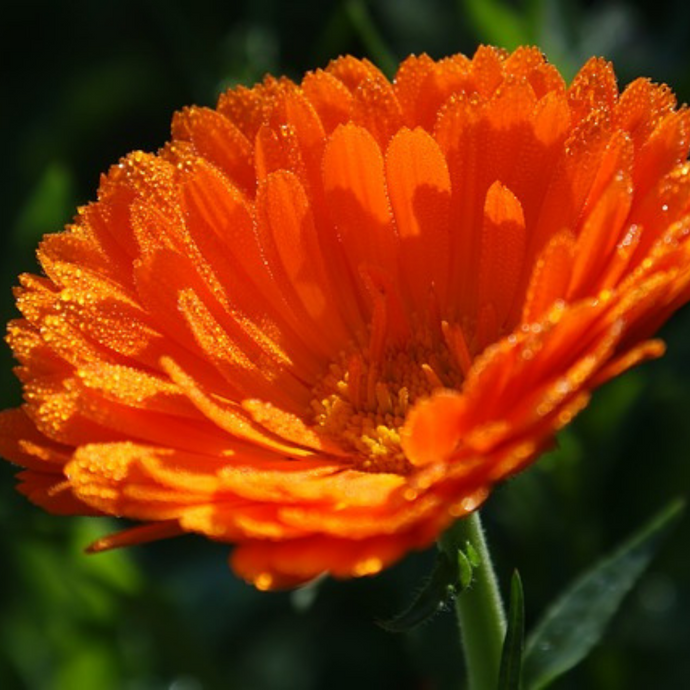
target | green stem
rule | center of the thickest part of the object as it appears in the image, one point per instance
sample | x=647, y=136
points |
x=479, y=608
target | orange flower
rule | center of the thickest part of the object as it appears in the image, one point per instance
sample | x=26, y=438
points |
x=325, y=319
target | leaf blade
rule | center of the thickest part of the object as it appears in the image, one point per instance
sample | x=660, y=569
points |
x=511, y=659
x=497, y=23
x=575, y=622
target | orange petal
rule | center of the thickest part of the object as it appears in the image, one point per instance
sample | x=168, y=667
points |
x=375, y=107
x=502, y=252
x=329, y=96
x=422, y=86
x=529, y=62
x=141, y=534
x=666, y=147
x=419, y=190
x=460, y=135
x=355, y=193
x=21, y=443
x=52, y=493
x=216, y=139
x=602, y=230
x=487, y=69
x=290, y=563
x=550, y=276
x=352, y=72
x=112, y=477
x=594, y=88
x=431, y=432
x=292, y=248
x=312, y=481
x=229, y=416
x=248, y=109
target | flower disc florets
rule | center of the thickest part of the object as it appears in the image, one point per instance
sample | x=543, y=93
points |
x=363, y=401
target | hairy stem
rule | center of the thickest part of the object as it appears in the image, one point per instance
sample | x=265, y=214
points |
x=480, y=612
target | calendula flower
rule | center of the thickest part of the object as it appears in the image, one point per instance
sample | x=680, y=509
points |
x=325, y=319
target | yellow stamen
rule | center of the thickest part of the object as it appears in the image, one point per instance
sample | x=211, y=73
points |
x=365, y=407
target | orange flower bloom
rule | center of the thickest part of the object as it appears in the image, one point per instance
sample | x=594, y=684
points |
x=325, y=319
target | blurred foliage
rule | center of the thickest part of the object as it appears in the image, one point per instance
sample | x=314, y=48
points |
x=84, y=83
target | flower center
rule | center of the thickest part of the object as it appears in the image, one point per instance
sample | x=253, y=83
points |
x=363, y=400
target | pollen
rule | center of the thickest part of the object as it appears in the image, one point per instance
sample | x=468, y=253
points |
x=363, y=400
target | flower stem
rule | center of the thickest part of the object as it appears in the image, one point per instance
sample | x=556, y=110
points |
x=479, y=608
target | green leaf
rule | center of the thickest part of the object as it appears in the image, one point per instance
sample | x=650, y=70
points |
x=497, y=23
x=452, y=574
x=511, y=658
x=431, y=599
x=472, y=556
x=464, y=569
x=49, y=207
x=576, y=621
x=367, y=31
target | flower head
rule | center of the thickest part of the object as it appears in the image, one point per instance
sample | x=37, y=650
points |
x=325, y=319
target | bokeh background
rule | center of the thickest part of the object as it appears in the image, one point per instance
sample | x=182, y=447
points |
x=85, y=82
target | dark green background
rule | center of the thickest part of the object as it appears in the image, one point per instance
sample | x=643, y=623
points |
x=85, y=82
